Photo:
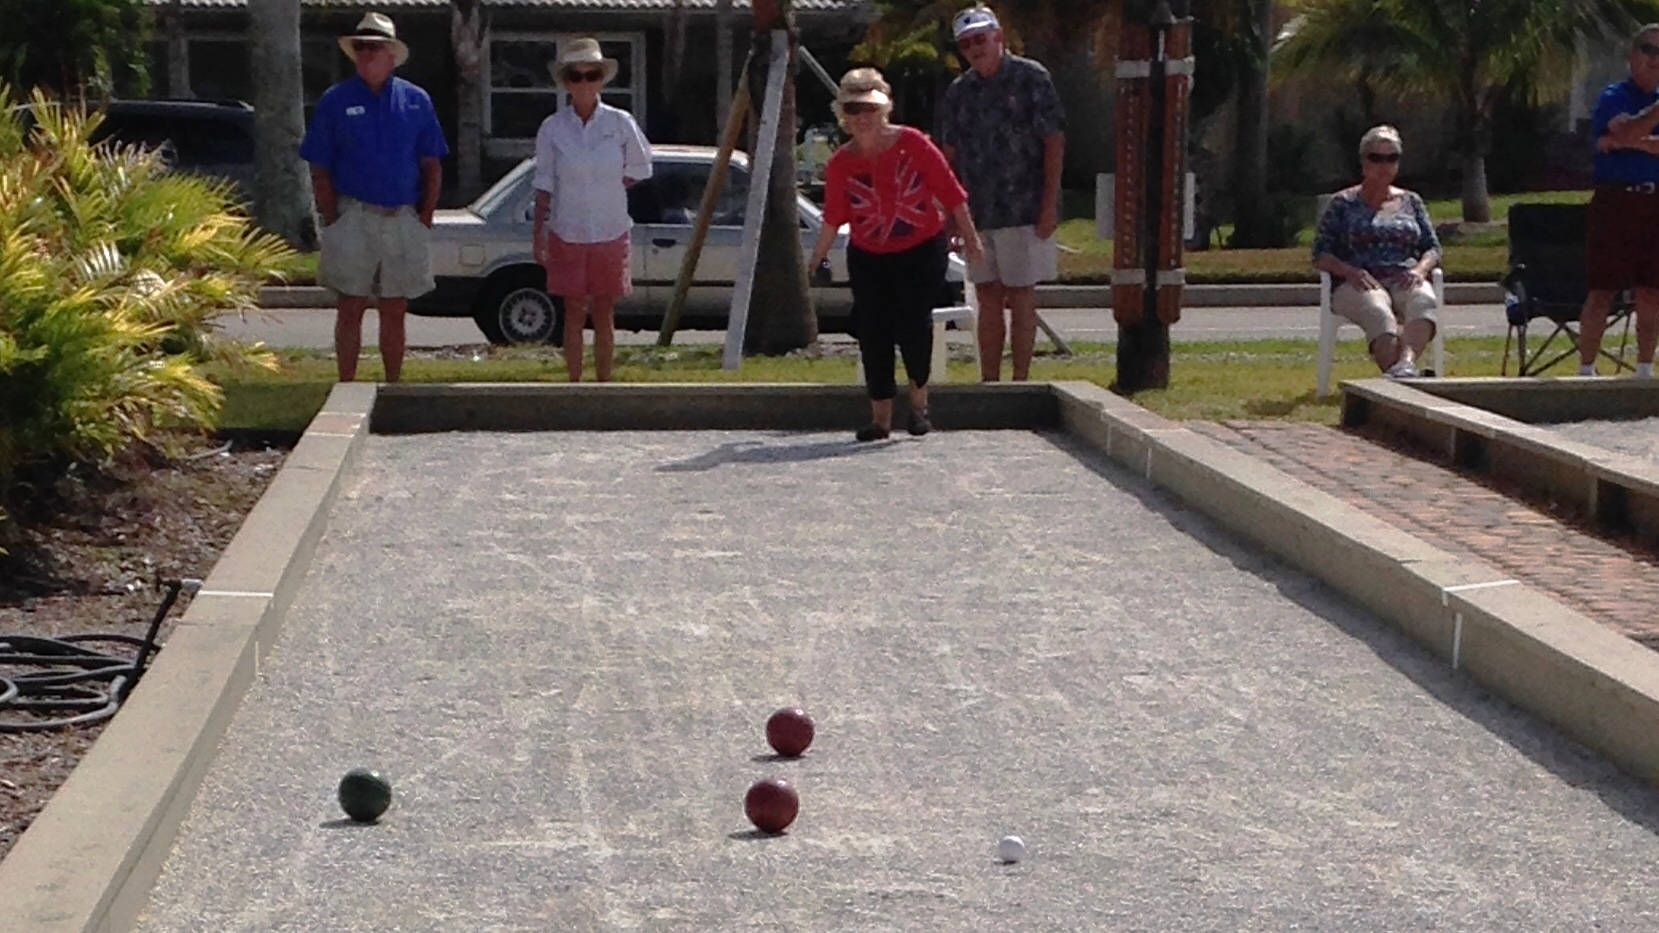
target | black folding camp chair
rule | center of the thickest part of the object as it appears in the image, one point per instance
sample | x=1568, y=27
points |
x=1546, y=280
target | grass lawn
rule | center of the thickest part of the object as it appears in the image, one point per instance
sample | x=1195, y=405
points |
x=1482, y=257
x=1257, y=379
x=1479, y=257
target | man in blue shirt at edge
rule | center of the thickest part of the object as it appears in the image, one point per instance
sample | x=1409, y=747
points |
x=1622, y=223
x=374, y=145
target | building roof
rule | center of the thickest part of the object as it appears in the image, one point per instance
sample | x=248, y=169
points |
x=585, y=6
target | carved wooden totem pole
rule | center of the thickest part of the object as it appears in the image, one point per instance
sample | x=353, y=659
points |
x=1154, y=76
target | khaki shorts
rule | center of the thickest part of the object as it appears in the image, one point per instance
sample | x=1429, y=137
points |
x=367, y=251
x=1016, y=258
x=1380, y=311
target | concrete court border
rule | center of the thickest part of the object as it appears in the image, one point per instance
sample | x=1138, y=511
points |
x=89, y=861
x=1493, y=426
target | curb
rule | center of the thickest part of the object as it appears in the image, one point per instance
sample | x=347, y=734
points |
x=88, y=860
x=1048, y=296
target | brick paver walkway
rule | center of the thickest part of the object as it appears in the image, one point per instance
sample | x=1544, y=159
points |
x=1614, y=581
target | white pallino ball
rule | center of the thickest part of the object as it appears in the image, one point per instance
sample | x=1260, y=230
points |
x=1011, y=849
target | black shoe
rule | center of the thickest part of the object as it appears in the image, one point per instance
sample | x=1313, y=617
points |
x=872, y=432
x=917, y=424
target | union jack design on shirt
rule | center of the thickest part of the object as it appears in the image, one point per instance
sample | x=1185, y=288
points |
x=875, y=219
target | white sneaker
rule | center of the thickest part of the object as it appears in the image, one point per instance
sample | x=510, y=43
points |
x=1401, y=370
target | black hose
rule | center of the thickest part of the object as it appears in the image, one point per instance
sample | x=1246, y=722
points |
x=59, y=682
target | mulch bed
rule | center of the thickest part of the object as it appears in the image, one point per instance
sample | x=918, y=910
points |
x=86, y=556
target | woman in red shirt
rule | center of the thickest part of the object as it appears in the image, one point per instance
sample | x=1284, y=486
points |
x=893, y=186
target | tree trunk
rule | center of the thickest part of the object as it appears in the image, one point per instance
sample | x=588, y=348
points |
x=1253, y=222
x=282, y=189
x=1473, y=138
x=722, y=63
x=468, y=34
x=1477, y=204
x=781, y=316
x=178, y=54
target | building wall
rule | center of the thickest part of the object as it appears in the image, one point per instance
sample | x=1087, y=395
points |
x=519, y=90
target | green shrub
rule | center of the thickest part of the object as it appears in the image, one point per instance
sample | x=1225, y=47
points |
x=112, y=269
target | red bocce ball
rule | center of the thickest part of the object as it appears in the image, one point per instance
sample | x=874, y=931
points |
x=771, y=805
x=789, y=730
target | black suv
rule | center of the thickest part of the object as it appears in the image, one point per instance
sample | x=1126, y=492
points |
x=201, y=137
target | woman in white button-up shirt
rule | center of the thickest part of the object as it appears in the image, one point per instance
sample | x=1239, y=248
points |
x=587, y=154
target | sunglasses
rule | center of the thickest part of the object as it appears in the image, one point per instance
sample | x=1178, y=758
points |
x=861, y=107
x=1382, y=157
x=1648, y=49
x=974, y=38
x=369, y=45
x=581, y=77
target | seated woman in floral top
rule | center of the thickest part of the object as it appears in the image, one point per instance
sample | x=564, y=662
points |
x=1377, y=242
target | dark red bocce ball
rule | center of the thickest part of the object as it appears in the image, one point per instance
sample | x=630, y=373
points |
x=789, y=730
x=771, y=805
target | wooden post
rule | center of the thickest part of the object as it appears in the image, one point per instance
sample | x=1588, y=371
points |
x=705, y=211
x=1154, y=73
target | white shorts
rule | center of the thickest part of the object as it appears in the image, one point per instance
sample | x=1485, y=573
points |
x=1016, y=258
x=370, y=251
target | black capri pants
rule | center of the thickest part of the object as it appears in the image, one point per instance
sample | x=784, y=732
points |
x=893, y=295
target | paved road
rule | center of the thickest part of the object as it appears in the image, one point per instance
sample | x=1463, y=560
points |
x=562, y=646
x=314, y=327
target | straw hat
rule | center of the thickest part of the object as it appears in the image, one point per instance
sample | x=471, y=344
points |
x=375, y=27
x=863, y=86
x=582, y=52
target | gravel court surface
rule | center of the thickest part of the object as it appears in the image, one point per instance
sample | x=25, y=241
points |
x=562, y=649
x=1638, y=437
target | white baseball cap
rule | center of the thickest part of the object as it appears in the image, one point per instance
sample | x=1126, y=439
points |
x=973, y=19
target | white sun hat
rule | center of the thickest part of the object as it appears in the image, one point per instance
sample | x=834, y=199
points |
x=375, y=27
x=582, y=52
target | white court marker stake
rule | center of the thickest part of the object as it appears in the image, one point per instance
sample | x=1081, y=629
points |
x=1446, y=591
x=248, y=593
x=1457, y=617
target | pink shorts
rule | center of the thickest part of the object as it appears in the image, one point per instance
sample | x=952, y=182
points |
x=583, y=269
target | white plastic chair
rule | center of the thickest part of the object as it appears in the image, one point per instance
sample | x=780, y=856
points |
x=1329, y=322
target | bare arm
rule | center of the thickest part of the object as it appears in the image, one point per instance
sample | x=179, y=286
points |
x=538, y=215
x=432, y=182
x=1342, y=271
x=1647, y=144
x=1054, y=159
x=964, y=220
x=820, y=249
x=1628, y=130
x=322, y=189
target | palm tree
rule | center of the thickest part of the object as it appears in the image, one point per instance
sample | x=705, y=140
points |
x=468, y=34
x=1466, y=53
x=89, y=49
x=781, y=317
x=282, y=190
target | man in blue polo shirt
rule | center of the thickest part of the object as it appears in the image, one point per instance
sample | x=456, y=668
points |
x=1622, y=224
x=374, y=145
